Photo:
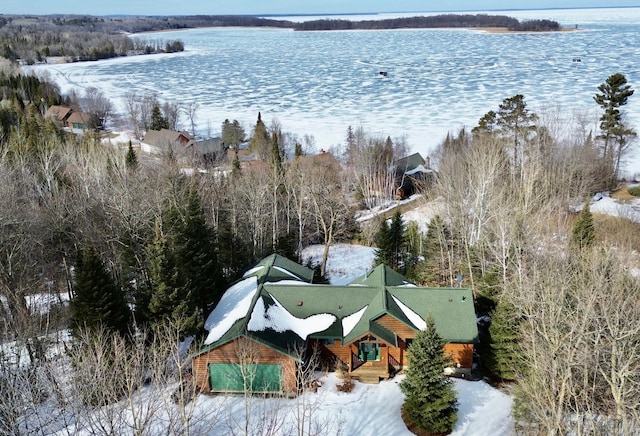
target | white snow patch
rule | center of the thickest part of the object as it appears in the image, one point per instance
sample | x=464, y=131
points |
x=234, y=305
x=415, y=319
x=482, y=410
x=346, y=261
x=350, y=321
x=287, y=272
x=609, y=206
x=276, y=317
x=41, y=303
x=253, y=270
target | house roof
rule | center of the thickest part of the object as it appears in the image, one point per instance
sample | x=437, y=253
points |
x=409, y=163
x=60, y=113
x=165, y=138
x=78, y=118
x=276, y=304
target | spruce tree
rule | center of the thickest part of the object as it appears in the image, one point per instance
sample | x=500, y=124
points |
x=504, y=356
x=158, y=122
x=197, y=256
x=430, y=401
x=169, y=300
x=98, y=302
x=259, y=142
x=584, y=233
x=391, y=242
x=383, y=254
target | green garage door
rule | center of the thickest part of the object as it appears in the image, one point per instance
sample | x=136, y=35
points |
x=225, y=377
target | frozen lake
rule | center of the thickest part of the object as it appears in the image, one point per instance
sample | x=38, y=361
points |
x=319, y=83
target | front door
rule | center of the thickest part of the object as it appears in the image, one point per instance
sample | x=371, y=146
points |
x=369, y=351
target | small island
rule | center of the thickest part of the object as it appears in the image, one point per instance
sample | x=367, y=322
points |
x=483, y=21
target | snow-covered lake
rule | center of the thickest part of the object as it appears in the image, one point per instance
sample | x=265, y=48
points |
x=319, y=83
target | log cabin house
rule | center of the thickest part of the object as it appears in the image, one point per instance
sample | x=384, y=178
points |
x=267, y=321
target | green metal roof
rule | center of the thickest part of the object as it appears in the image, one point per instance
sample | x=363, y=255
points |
x=382, y=291
x=277, y=268
x=381, y=276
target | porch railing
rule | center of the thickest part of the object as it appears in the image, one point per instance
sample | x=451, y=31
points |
x=394, y=364
x=356, y=362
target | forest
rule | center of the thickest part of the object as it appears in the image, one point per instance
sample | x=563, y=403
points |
x=35, y=39
x=143, y=250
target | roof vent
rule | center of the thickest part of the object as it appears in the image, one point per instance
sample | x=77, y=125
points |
x=299, y=302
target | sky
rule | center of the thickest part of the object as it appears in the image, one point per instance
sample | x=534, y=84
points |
x=262, y=7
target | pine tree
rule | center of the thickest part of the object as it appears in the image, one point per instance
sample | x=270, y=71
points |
x=430, y=401
x=584, y=233
x=97, y=301
x=504, y=356
x=298, y=152
x=615, y=93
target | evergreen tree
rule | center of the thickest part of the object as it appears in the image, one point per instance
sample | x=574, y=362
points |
x=584, y=232
x=197, y=256
x=131, y=160
x=98, y=302
x=234, y=252
x=391, y=243
x=259, y=142
x=187, y=280
x=232, y=133
x=276, y=157
x=298, y=152
x=517, y=122
x=169, y=298
x=430, y=401
x=235, y=164
x=383, y=253
x=504, y=356
x=614, y=93
x=158, y=122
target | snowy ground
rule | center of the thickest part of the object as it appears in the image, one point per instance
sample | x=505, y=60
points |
x=371, y=409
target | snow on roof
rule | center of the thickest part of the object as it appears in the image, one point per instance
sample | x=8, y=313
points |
x=418, y=169
x=415, y=319
x=253, y=270
x=350, y=321
x=277, y=318
x=234, y=305
x=287, y=272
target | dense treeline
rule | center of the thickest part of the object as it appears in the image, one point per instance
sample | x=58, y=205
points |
x=76, y=38
x=432, y=22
